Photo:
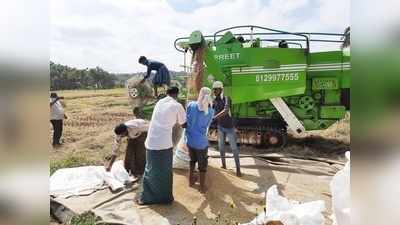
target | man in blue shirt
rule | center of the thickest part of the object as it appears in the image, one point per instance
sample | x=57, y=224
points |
x=199, y=116
x=161, y=77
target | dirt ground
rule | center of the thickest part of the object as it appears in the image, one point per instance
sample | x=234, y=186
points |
x=240, y=199
x=88, y=133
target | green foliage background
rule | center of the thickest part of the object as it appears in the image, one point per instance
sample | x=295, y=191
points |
x=64, y=77
x=68, y=78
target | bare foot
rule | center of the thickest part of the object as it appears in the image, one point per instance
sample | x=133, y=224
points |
x=139, y=202
x=193, y=180
x=57, y=146
x=203, y=190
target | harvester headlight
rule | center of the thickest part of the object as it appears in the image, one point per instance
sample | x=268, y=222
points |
x=133, y=92
x=211, y=78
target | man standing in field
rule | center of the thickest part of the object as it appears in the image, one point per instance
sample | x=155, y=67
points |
x=199, y=117
x=225, y=125
x=161, y=77
x=158, y=177
x=57, y=115
x=135, y=155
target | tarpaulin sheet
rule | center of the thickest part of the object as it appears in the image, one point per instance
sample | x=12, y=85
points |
x=238, y=198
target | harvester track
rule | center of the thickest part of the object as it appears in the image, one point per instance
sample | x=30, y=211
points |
x=272, y=135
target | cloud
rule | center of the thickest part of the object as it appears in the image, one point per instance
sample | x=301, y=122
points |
x=206, y=2
x=80, y=33
x=113, y=34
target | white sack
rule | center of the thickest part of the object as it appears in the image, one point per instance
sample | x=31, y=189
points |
x=340, y=189
x=181, y=158
x=117, y=177
x=279, y=208
x=86, y=180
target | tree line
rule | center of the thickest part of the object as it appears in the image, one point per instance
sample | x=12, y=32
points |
x=67, y=78
x=64, y=77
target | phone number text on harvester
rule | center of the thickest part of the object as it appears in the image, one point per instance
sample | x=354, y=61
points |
x=277, y=77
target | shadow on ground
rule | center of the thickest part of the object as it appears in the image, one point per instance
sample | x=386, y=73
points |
x=235, y=199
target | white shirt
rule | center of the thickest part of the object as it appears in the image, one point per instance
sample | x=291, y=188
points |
x=166, y=114
x=56, y=110
x=135, y=129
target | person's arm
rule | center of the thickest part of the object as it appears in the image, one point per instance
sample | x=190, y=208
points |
x=210, y=119
x=147, y=74
x=225, y=110
x=220, y=114
x=211, y=111
x=189, y=116
x=115, y=147
x=181, y=116
x=110, y=162
x=53, y=102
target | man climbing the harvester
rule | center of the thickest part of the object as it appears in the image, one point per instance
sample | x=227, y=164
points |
x=162, y=76
x=135, y=156
x=225, y=125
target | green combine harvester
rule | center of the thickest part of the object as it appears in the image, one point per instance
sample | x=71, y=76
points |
x=274, y=80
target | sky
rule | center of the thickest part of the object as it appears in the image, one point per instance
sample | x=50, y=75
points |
x=113, y=34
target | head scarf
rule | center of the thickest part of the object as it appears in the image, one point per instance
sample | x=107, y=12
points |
x=204, y=100
x=218, y=84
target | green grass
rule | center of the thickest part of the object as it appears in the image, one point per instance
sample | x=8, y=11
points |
x=113, y=104
x=84, y=219
x=90, y=219
x=69, y=162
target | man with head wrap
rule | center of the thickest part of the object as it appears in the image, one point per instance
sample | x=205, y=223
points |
x=199, y=115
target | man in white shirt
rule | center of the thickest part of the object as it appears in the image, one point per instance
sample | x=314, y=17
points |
x=135, y=154
x=157, y=178
x=56, y=118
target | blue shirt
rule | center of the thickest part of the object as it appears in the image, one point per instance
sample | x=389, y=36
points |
x=153, y=65
x=197, y=125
